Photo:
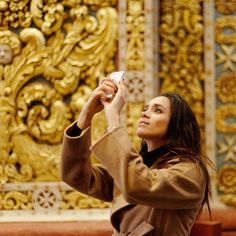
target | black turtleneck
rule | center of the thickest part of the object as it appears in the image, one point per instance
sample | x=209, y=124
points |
x=150, y=157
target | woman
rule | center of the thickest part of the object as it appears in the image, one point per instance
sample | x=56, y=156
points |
x=159, y=191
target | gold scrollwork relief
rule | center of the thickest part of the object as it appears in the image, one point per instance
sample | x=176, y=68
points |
x=222, y=23
x=226, y=88
x=65, y=53
x=74, y=200
x=15, y=200
x=223, y=113
x=181, y=49
x=135, y=35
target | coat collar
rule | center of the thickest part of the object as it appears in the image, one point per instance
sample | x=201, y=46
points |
x=149, y=158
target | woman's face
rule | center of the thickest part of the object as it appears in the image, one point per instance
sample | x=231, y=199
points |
x=154, y=121
x=5, y=54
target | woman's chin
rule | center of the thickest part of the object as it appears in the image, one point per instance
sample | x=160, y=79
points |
x=141, y=134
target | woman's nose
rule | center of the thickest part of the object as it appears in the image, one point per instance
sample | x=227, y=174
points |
x=145, y=113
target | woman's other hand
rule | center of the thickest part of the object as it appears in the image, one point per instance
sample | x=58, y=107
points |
x=95, y=102
x=114, y=106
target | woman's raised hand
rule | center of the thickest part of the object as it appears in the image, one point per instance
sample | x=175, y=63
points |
x=113, y=107
x=96, y=101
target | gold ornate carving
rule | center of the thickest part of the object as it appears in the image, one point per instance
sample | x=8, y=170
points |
x=14, y=14
x=47, y=15
x=222, y=23
x=133, y=115
x=45, y=198
x=181, y=50
x=226, y=88
x=222, y=113
x=227, y=179
x=135, y=35
x=65, y=54
x=226, y=7
x=15, y=200
x=73, y=200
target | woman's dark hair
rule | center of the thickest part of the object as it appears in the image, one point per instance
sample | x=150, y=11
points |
x=184, y=138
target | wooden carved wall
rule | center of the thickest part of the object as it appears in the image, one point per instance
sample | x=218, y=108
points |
x=56, y=52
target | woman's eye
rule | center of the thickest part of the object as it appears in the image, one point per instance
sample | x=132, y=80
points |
x=157, y=110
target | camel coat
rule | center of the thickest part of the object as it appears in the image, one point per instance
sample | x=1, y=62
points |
x=145, y=201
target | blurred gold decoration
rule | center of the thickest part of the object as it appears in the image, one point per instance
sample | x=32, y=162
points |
x=135, y=35
x=227, y=179
x=226, y=7
x=14, y=14
x=229, y=199
x=77, y=50
x=134, y=111
x=225, y=22
x=228, y=147
x=99, y=126
x=74, y=200
x=226, y=87
x=96, y=4
x=15, y=200
x=227, y=58
x=222, y=114
x=181, y=50
x=79, y=98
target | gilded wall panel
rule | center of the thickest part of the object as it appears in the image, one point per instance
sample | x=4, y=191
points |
x=225, y=85
x=181, y=51
x=52, y=56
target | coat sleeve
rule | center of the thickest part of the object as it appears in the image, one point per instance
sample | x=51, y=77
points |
x=182, y=186
x=77, y=169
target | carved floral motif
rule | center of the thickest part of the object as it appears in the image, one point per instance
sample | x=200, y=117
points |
x=226, y=88
x=181, y=49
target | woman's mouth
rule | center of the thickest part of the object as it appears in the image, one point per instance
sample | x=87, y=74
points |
x=143, y=123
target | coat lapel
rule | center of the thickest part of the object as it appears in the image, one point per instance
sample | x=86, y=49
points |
x=118, y=203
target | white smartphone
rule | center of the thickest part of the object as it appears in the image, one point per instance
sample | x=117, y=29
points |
x=116, y=76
